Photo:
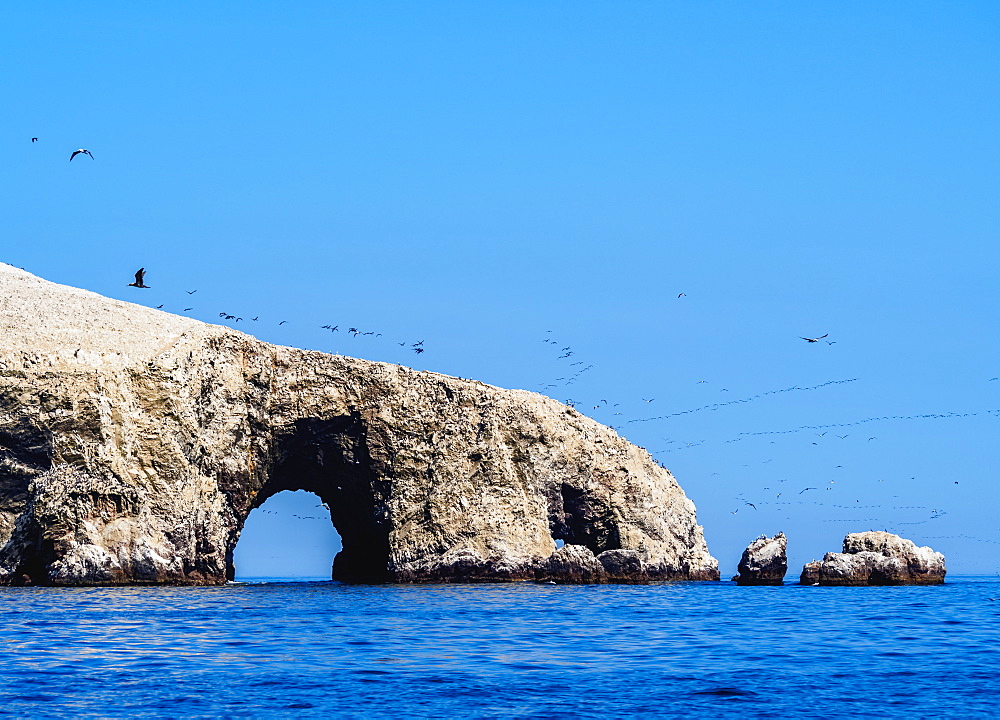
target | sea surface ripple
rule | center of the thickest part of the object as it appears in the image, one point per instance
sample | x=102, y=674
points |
x=320, y=649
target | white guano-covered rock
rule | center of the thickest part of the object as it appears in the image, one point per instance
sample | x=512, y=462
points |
x=877, y=558
x=134, y=443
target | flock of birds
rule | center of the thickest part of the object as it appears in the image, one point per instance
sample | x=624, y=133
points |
x=576, y=368
x=140, y=282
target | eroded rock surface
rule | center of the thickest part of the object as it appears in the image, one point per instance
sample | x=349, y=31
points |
x=764, y=562
x=134, y=443
x=876, y=558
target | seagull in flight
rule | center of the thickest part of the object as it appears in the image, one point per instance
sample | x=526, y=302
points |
x=77, y=152
x=139, y=275
x=815, y=339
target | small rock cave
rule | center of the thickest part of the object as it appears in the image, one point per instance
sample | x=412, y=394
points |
x=580, y=517
x=329, y=458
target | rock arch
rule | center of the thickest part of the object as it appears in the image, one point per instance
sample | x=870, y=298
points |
x=329, y=458
x=134, y=444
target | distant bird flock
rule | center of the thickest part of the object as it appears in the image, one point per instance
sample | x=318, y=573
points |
x=576, y=368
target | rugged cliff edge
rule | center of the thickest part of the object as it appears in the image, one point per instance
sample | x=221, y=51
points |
x=134, y=443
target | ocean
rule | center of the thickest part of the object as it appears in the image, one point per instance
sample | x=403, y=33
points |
x=323, y=649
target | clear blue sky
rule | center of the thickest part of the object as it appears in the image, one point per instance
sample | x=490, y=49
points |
x=476, y=174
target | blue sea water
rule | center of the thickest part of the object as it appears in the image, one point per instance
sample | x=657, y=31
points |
x=322, y=649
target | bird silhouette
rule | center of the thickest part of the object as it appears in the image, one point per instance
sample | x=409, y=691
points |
x=680, y=295
x=77, y=152
x=815, y=339
x=139, y=275
x=36, y=140
x=282, y=322
x=186, y=309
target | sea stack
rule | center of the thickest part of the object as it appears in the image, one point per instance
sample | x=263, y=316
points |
x=134, y=443
x=764, y=562
x=876, y=558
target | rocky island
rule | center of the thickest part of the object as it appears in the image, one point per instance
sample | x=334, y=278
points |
x=134, y=443
x=876, y=558
x=764, y=562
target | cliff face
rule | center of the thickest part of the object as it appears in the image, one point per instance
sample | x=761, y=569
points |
x=134, y=443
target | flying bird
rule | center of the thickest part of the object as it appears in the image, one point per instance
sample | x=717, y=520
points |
x=36, y=140
x=809, y=488
x=77, y=152
x=282, y=322
x=682, y=295
x=815, y=339
x=186, y=309
x=190, y=292
x=139, y=275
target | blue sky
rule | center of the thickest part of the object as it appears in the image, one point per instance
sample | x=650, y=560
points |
x=476, y=174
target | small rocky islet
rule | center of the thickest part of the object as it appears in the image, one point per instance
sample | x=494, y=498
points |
x=134, y=443
x=868, y=558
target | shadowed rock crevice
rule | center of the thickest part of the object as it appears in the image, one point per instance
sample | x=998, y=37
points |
x=135, y=443
x=579, y=517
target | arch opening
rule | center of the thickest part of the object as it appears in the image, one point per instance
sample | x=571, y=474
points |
x=329, y=458
x=290, y=536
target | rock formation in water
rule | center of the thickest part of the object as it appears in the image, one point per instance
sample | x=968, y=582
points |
x=764, y=562
x=876, y=558
x=134, y=443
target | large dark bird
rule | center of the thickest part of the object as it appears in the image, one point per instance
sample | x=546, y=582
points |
x=77, y=152
x=815, y=339
x=139, y=275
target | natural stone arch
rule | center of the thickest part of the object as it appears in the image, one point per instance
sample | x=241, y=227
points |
x=135, y=443
x=329, y=458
